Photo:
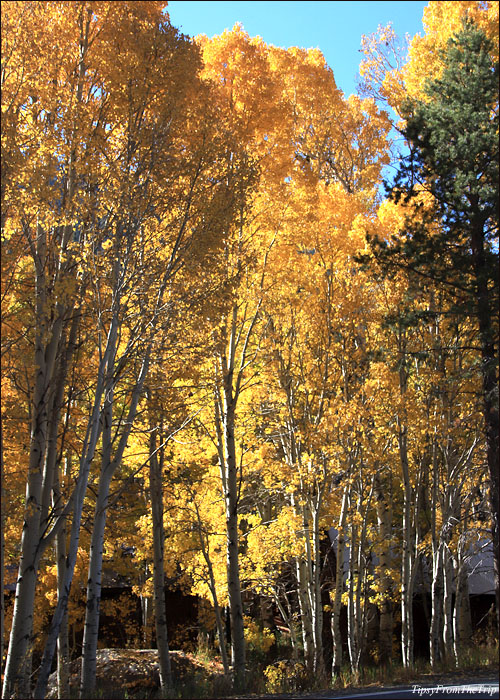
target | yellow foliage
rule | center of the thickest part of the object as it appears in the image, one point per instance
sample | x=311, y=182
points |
x=259, y=639
x=394, y=73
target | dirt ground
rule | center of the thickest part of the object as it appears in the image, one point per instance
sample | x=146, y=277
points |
x=136, y=671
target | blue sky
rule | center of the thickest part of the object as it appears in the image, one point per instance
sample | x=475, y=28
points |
x=334, y=26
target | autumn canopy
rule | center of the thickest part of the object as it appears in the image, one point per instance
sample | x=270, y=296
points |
x=233, y=365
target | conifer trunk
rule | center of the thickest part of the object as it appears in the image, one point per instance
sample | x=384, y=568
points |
x=489, y=374
x=462, y=625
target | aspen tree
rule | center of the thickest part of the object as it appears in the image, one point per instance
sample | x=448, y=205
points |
x=156, y=464
x=236, y=65
x=339, y=586
x=384, y=518
x=100, y=182
x=191, y=219
x=33, y=96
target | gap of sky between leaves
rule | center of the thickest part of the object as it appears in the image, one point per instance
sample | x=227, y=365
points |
x=333, y=26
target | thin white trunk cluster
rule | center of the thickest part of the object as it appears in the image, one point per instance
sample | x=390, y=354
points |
x=308, y=574
x=53, y=354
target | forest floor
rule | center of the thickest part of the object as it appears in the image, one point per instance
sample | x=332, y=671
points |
x=134, y=673
x=465, y=677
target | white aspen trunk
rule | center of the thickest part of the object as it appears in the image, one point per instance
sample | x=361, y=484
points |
x=408, y=532
x=384, y=518
x=436, y=603
x=233, y=569
x=310, y=584
x=413, y=569
x=360, y=609
x=218, y=617
x=2, y=545
x=50, y=482
x=448, y=642
x=303, y=584
x=219, y=624
x=51, y=486
x=339, y=587
x=437, y=585
x=305, y=612
x=18, y=664
x=88, y=451
x=226, y=414
x=62, y=603
x=146, y=612
x=91, y=629
x=361, y=597
x=109, y=466
x=352, y=635
x=287, y=619
x=160, y=608
x=406, y=580
x=225, y=427
x=63, y=689
x=319, y=663
x=213, y=590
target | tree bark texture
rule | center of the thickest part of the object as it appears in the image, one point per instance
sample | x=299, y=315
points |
x=109, y=466
x=233, y=569
x=87, y=456
x=339, y=587
x=160, y=607
x=384, y=518
x=489, y=374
